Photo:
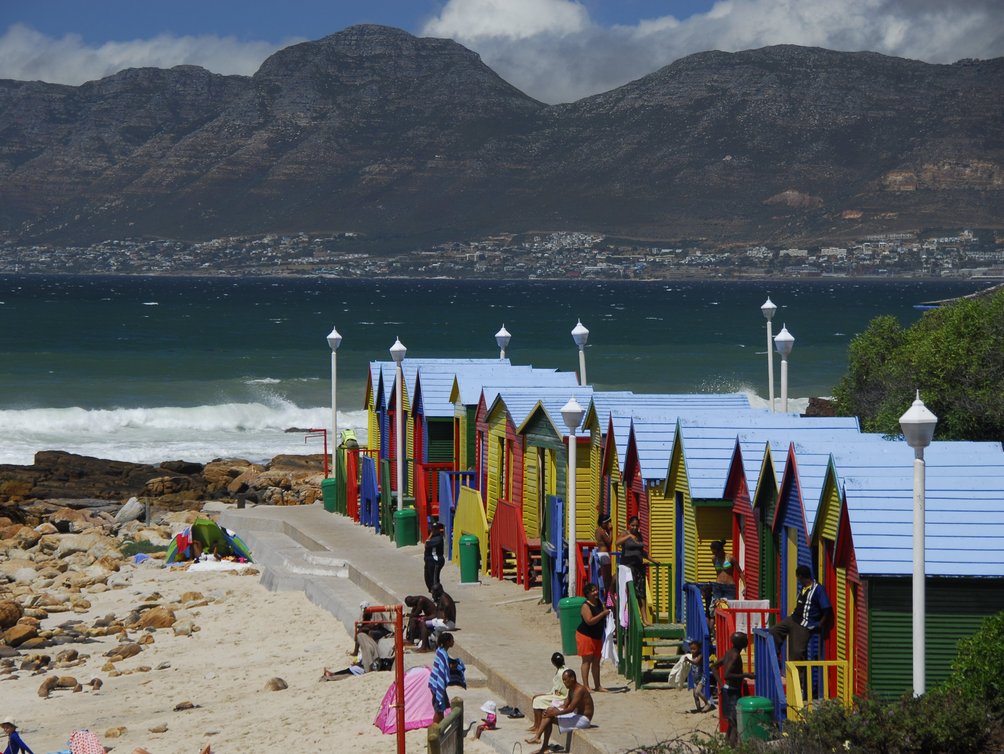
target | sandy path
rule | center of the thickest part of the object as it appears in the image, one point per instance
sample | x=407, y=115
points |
x=247, y=635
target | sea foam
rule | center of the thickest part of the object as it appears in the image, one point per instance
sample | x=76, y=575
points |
x=256, y=431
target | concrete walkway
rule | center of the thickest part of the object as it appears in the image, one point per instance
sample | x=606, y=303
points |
x=504, y=636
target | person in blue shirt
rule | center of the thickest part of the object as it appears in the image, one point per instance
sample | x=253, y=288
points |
x=813, y=614
x=14, y=743
x=440, y=677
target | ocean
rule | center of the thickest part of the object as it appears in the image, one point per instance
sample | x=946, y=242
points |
x=148, y=369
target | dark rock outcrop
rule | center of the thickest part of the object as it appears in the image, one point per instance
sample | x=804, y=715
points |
x=86, y=482
x=404, y=139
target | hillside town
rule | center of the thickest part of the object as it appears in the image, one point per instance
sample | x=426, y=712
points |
x=961, y=254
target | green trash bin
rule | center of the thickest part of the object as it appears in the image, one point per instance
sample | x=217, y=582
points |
x=406, y=527
x=755, y=718
x=470, y=554
x=569, y=616
x=329, y=494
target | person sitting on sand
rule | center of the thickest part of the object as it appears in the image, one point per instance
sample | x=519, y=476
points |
x=576, y=713
x=15, y=745
x=541, y=702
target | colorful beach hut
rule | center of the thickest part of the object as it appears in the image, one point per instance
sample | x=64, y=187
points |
x=863, y=538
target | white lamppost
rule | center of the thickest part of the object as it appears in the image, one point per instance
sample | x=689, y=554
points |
x=397, y=352
x=580, y=335
x=334, y=340
x=502, y=338
x=918, y=428
x=571, y=412
x=768, y=309
x=784, y=343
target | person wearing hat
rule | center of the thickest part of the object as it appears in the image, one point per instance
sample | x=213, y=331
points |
x=14, y=743
x=491, y=716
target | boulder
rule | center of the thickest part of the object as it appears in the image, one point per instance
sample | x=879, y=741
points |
x=94, y=544
x=131, y=511
x=10, y=613
x=157, y=617
x=19, y=633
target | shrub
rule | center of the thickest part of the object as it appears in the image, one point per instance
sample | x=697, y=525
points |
x=978, y=670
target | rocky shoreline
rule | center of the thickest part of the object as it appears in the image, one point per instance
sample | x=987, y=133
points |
x=78, y=481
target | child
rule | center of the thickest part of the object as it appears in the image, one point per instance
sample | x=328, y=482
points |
x=732, y=676
x=14, y=743
x=490, y=717
x=701, y=703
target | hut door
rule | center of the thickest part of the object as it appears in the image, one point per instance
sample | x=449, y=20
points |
x=678, y=559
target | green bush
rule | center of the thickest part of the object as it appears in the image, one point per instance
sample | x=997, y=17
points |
x=130, y=548
x=978, y=670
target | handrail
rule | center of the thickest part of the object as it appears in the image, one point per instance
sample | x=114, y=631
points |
x=801, y=695
x=767, y=673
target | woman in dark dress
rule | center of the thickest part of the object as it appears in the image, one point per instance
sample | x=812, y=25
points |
x=434, y=555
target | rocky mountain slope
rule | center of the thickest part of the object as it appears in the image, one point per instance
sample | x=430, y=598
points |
x=405, y=139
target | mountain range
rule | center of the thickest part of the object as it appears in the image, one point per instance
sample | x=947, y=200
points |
x=408, y=140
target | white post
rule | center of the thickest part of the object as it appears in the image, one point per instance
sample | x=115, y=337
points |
x=571, y=412
x=572, y=542
x=580, y=335
x=784, y=384
x=918, y=425
x=919, y=606
x=784, y=343
x=767, y=309
x=334, y=340
x=770, y=364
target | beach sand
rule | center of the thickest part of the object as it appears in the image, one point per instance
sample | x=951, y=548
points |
x=246, y=636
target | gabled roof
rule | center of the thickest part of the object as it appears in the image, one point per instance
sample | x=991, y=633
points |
x=468, y=386
x=709, y=441
x=606, y=404
x=964, y=501
x=411, y=366
x=521, y=403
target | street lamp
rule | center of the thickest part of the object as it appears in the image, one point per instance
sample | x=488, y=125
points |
x=580, y=335
x=502, y=338
x=397, y=352
x=571, y=413
x=768, y=309
x=784, y=342
x=918, y=428
x=334, y=340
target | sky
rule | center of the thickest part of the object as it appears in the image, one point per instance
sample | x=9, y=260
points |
x=554, y=50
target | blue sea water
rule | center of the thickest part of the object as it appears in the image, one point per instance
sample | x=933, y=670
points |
x=151, y=368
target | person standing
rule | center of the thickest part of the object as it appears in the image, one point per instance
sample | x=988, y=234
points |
x=732, y=683
x=434, y=555
x=15, y=745
x=440, y=677
x=604, y=542
x=633, y=555
x=589, y=634
x=812, y=615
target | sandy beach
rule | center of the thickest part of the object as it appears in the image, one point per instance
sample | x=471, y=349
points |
x=245, y=636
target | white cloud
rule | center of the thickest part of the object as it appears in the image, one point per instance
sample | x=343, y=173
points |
x=508, y=19
x=29, y=55
x=568, y=56
x=553, y=50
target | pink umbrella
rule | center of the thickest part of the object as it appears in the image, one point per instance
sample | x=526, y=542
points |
x=418, y=711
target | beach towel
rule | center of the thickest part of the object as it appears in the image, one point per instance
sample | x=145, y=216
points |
x=624, y=576
x=85, y=742
x=609, y=651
